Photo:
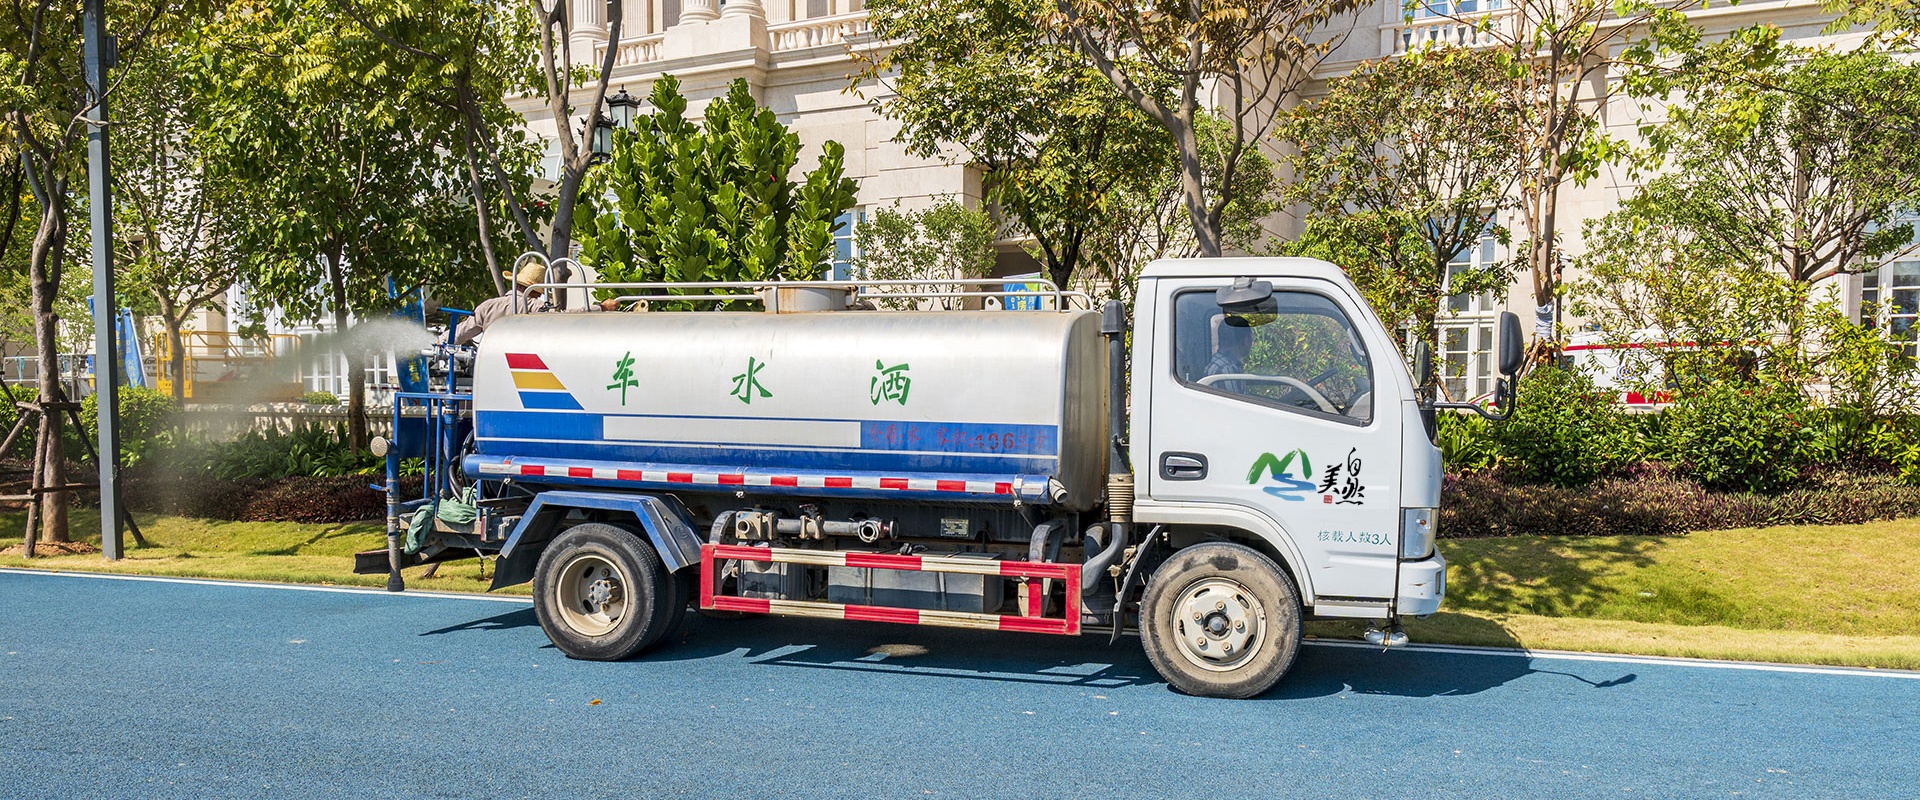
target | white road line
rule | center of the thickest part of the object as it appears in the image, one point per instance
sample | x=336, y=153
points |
x=1663, y=661
x=1511, y=652
x=294, y=587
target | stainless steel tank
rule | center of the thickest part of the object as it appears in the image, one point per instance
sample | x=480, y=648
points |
x=963, y=406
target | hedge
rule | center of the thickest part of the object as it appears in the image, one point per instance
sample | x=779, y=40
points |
x=1649, y=500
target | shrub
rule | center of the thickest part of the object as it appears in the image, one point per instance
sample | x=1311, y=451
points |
x=320, y=399
x=334, y=499
x=1740, y=436
x=1465, y=440
x=1565, y=431
x=1908, y=462
x=145, y=416
x=310, y=450
x=1652, y=501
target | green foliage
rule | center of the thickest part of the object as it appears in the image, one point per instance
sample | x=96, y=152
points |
x=947, y=240
x=1908, y=462
x=1787, y=159
x=1649, y=273
x=1564, y=432
x=349, y=185
x=1057, y=144
x=685, y=202
x=1404, y=164
x=1740, y=436
x=319, y=399
x=1465, y=440
x=1864, y=365
x=145, y=418
x=311, y=450
x=1850, y=436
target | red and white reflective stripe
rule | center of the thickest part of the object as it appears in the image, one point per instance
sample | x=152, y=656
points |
x=748, y=479
x=1029, y=622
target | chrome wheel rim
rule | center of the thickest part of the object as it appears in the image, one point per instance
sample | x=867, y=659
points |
x=592, y=595
x=1218, y=624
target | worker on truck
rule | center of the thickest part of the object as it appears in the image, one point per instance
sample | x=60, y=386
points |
x=525, y=296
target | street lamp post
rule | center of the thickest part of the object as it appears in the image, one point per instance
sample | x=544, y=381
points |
x=99, y=50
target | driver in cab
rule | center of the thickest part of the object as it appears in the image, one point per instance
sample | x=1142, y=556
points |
x=1233, y=340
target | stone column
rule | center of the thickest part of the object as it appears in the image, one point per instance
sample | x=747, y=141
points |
x=589, y=24
x=699, y=11
x=744, y=8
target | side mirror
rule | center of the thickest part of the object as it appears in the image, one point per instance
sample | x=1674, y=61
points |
x=1422, y=364
x=1244, y=292
x=1512, y=347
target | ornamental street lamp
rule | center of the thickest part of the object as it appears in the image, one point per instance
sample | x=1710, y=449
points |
x=622, y=107
x=602, y=139
x=620, y=111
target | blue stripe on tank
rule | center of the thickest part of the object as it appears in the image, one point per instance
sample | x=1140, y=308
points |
x=536, y=424
x=559, y=401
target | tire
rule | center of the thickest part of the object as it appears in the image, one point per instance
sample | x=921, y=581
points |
x=1249, y=628
x=601, y=593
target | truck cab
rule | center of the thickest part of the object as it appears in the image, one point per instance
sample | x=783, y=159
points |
x=1289, y=422
x=1243, y=451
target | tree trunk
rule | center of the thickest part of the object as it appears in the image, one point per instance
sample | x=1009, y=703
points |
x=44, y=264
x=176, y=349
x=1541, y=259
x=484, y=216
x=1193, y=185
x=356, y=386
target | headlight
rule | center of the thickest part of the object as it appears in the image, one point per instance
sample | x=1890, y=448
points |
x=1416, y=533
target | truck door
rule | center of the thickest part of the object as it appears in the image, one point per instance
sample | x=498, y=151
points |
x=1272, y=408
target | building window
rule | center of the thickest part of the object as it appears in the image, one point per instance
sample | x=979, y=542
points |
x=1427, y=9
x=1890, y=296
x=1466, y=325
x=1466, y=359
x=844, y=246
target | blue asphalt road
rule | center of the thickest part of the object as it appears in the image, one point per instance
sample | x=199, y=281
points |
x=130, y=688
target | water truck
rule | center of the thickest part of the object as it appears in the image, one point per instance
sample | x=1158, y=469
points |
x=1247, y=452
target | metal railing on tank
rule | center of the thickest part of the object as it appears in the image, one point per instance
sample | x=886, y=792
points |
x=874, y=293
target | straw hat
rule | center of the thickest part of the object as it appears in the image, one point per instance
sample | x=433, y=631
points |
x=530, y=273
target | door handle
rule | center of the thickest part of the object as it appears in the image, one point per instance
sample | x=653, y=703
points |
x=1183, y=466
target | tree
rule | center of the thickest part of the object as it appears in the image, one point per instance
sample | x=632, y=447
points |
x=179, y=219
x=947, y=240
x=1563, y=54
x=1895, y=23
x=44, y=99
x=1403, y=165
x=1145, y=220
x=715, y=202
x=983, y=81
x=460, y=61
x=343, y=182
x=1242, y=58
x=1801, y=164
x=1649, y=274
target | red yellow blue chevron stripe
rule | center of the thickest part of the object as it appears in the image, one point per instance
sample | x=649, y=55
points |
x=539, y=387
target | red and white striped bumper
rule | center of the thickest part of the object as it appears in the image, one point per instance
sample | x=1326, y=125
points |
x=1031, y=620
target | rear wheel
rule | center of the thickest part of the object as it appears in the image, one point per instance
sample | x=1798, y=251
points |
x=1220, y=620
x=602, y=594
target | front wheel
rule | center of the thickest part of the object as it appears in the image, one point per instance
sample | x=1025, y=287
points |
x=602, y=594
x=1220, y=620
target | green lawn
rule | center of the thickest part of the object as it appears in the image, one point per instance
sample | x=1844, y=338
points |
x=1819, y=594
x=288, y=552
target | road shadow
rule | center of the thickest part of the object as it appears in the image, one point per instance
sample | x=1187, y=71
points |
x=1322, y=668
x=946, y=653
x=519, y=618
x=1329, y=669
